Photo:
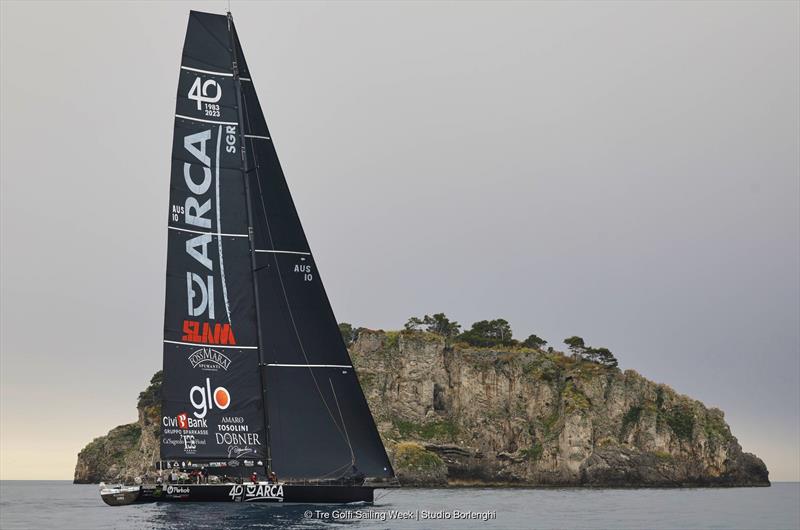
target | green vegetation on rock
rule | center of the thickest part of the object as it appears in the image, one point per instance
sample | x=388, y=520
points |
x=574, y=399
x=489, y=333
x=414, y=456
x=151, y=396
x=534, y=452
x=630, y=419
x=681, y=420
x=437, y=430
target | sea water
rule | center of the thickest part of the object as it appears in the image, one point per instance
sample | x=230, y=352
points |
x=60, y=504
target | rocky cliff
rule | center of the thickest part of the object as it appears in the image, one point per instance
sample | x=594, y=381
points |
x=460, y=415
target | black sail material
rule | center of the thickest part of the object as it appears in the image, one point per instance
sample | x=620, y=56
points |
x=247, y=318
x=320, y=423
x=212, y=406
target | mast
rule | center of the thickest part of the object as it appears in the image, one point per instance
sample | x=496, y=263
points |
x=262, y=365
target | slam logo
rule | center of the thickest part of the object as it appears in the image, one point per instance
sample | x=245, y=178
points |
x=204, y=399
x=209, y=360
x=206, y=333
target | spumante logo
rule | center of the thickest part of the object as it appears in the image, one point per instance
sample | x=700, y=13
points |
x=210, y=360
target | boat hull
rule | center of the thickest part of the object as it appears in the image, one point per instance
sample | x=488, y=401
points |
x=262, y=492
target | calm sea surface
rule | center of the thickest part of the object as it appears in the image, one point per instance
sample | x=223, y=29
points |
x=59, y=504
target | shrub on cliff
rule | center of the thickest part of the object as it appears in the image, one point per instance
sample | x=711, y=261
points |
x=151, y=395
x=487, y=333
x=535, y=342
x=437, y=323
x=580, y=350
x=349, y=334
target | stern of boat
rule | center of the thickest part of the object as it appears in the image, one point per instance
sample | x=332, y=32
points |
x=119, y=495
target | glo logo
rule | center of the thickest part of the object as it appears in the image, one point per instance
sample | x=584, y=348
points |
x=201, y=92
x=203, y=399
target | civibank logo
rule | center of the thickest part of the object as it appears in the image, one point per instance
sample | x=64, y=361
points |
x=203, y=399
x=184, y=422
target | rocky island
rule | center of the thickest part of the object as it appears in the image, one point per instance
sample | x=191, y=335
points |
x=451, y=413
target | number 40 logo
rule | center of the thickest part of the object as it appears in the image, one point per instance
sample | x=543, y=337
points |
x=200, y=92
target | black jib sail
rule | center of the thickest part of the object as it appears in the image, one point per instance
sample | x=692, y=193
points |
x=249, y=315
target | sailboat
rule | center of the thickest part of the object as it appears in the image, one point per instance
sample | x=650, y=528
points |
x=261, y=402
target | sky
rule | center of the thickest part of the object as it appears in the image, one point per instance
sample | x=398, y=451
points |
x=626, y=172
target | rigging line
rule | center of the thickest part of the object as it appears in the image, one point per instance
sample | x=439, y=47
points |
x=283, y=287
x=382, y=495
x=344, y=426
x=335, y=470
x=219, y=239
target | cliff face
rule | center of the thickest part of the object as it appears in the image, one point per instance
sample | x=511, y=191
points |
x=127, y=451
x=520, y=416
x=527, y=416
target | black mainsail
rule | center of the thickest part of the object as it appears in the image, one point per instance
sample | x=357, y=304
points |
x=254, y=365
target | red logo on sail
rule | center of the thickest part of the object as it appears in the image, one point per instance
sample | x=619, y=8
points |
x=207, y=333
x=183, y=420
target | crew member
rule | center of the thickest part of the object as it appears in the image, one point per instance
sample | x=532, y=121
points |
x=254, y=478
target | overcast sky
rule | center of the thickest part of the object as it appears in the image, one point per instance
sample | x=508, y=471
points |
x=627, y=172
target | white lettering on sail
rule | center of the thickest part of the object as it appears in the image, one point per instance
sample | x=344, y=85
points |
x=197, y=188
x=199, y=92
x=206, y=295
x=199, y=289
x=200, y=154
x=201, y=241
x=194, y=212
x=219, y=397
